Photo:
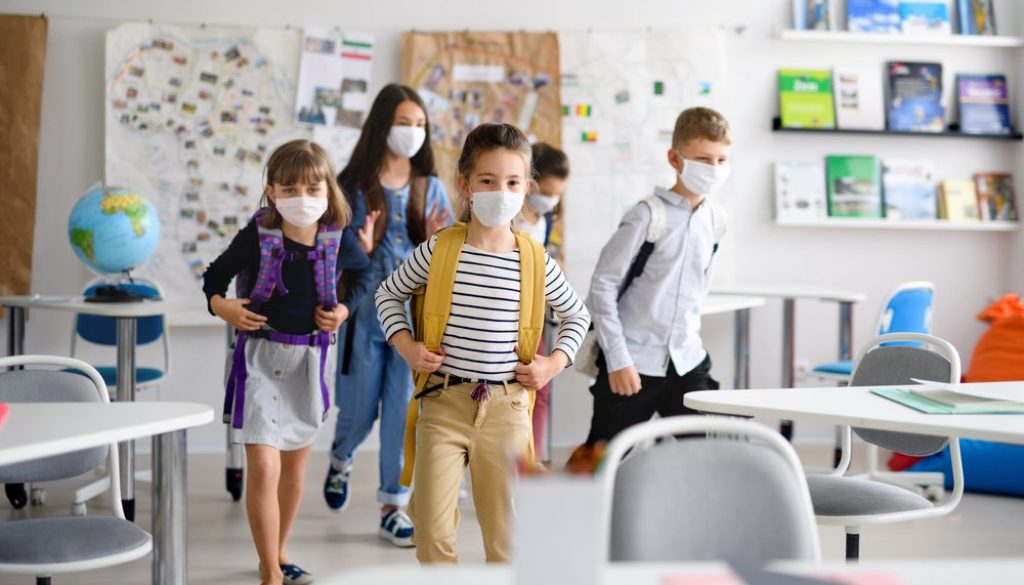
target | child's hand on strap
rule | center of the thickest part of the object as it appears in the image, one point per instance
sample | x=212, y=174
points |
x=330, y=320
x=366, y=233
x=234, y=312
x=536, y=374
x=625, y=381
x=419, y=358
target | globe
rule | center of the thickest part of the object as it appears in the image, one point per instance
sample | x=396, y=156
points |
x=113, y=229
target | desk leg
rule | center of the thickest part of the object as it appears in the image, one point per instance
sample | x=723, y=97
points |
x=17, y=493
x=788, y=356
x=15, y=331
x=741, y=349
x=845, y=353
x=126, y=393
x=170, y=514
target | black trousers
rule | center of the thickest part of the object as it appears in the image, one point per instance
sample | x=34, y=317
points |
x=658, y=394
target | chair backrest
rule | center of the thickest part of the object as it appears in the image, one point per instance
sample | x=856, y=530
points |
x=103, y=330
x=741, y=498
x=881, y=362
x=36, y=385
x=908, y=309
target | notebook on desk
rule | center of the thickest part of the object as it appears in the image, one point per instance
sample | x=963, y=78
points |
x=944, y=401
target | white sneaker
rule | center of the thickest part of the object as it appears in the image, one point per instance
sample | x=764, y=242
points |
x=396, y=528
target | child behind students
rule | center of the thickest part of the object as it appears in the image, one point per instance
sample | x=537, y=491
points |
x=651, y=350
x=288, y=260
x=481, y=321
x=551, y=170
x=391, y=184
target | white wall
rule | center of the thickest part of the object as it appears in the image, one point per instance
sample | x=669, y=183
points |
x=968, y=268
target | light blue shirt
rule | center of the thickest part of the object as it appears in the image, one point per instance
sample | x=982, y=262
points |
x=658, y=319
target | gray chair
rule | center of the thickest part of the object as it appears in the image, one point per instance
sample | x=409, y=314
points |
x=64, y=544
x=852, y=502
x=738, y=495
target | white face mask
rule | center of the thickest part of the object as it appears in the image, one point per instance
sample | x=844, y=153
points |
x=702, y=178
x=406, y=141
x=543, y=204
x=496, y=208
x=301, y=211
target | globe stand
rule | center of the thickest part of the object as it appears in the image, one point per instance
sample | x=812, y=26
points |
x=113, y=294
x=117, y=292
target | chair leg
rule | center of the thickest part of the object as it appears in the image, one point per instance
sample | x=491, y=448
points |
x=852, y=545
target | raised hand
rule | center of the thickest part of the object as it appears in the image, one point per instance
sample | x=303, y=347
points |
x=437, y=218
x=366, y=233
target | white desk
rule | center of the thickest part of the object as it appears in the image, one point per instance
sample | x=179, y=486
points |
x=126, y=316
x=34, y=430
x=925, y=572
x=858, y=407
x=716, y=304
x=789, y=295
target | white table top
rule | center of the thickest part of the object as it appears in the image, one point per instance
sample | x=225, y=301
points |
x=720, y=303
x=790, y=291
x=858, y=407
x=33, y=430
x=77, y=304
x=924, y=572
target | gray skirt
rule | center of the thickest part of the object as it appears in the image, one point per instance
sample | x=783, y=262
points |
x=283, y=407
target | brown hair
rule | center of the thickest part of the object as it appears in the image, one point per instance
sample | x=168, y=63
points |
x=303, y=161
x=549, y=161
x=696, y=123
x=487, y=138
x=362, y=173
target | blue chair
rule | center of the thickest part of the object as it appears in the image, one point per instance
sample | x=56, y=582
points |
x=907, y=310
x=103, y=331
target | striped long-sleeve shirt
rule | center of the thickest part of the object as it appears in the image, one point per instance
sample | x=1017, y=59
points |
x=482, y=332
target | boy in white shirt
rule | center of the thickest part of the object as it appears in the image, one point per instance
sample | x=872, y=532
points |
x=648, y=322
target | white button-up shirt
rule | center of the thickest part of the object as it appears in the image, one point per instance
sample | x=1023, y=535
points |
x=658, y=319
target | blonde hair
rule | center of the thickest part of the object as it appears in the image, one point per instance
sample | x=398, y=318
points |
x=304, y=161
x=695, y=123
x=487, y=138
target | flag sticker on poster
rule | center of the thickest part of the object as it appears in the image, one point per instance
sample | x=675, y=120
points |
x=334, y=77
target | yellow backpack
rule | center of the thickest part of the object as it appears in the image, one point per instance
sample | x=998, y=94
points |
x=431, y=307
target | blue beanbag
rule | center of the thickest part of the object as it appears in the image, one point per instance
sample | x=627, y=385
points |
x=993, y=468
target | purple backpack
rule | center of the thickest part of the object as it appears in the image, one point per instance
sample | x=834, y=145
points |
x=268, y=278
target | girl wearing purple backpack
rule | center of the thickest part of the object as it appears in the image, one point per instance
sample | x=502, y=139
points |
x=289, y=261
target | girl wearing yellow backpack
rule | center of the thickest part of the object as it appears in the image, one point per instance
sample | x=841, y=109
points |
x=480, y=290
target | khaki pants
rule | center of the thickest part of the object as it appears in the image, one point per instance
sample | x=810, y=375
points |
x=454, y=431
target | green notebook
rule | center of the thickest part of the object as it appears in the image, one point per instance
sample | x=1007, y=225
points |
x=928, y=406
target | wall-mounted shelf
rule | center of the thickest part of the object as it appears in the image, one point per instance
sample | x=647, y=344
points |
x=840, y=36
x=906, y=224
x=950, y=133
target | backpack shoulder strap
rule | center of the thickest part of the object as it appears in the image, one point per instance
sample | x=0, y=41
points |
x=435, y=305
x=531, y=295
x=656, y=228
x=325, y=267
x=268, y=274
x=718, y=221
x=658, y=225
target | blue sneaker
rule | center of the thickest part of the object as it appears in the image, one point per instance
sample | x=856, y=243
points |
x=336, y=488
x=296, y=575
x=396, y=528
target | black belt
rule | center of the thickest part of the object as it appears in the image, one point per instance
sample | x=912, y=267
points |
x=456, y=380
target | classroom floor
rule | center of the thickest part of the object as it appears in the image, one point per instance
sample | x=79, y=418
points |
x=220, y=551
